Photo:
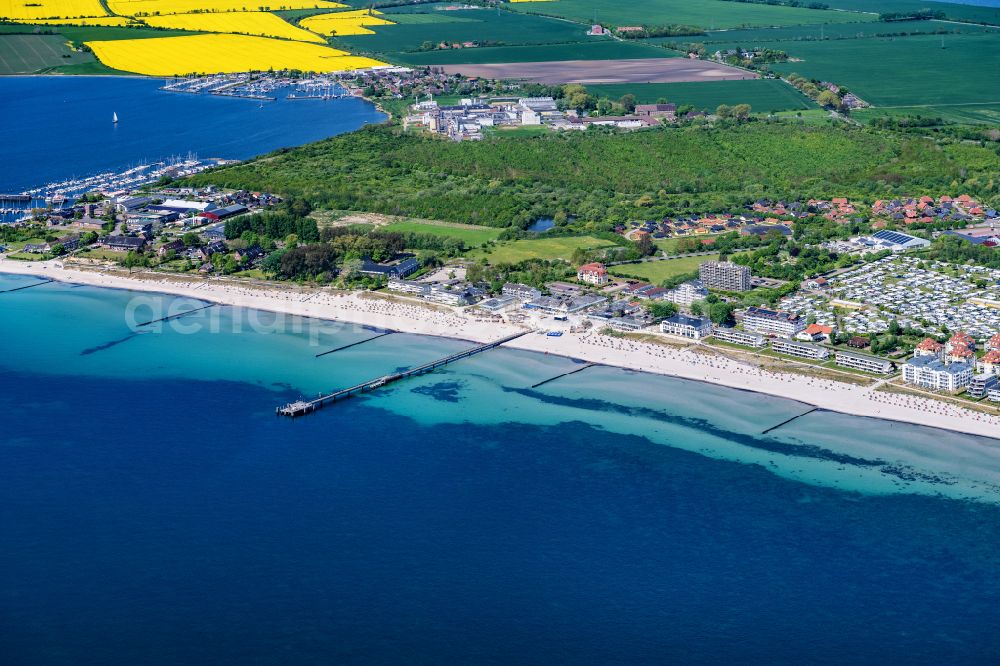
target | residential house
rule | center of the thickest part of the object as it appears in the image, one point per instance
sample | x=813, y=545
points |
x=594, y=273
x=814, y=333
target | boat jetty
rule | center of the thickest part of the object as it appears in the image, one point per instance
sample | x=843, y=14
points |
x=17, y=207
x=260, y=87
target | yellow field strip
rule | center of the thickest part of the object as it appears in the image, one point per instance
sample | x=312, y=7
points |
x=90, y=20
x=21, y=10
x=344, y=23
x=215, y=54
x=244, y=23
x=161, y=7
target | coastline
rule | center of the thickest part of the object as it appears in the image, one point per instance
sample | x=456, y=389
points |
x=411, y=316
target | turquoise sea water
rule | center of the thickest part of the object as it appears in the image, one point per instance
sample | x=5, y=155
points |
x=154, y=510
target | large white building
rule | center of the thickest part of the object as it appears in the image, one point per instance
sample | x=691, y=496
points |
x=772, y=322
x=695, y=328
x=521, y=292
x=724, y=275
x=930, y=372
x=687, y=293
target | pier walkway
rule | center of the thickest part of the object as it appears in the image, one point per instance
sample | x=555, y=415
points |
x=303, y=407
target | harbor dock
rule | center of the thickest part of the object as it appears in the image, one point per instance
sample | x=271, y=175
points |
x=303, y=407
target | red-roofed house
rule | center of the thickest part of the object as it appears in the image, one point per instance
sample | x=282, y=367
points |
x=961, y=339
x=994, y=343
x=814, y=333
x=592, y=274
x=960, y=353
x=990, y=363
x=929, y=347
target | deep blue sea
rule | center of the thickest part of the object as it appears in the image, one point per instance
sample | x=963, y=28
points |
x=59, y=127
x=154, y=510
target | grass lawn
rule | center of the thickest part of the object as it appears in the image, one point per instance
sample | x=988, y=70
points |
x=471, y=235
x=762, y=95
x=512, y=252
x=658, y=271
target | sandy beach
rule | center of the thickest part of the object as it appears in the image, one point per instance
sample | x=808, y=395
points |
x=410, y=316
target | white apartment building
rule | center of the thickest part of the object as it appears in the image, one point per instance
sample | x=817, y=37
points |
x=878, y=366
x=695, y=328
x=687, y=293
x=930, y=372
x=800, y=349
x=772, y=322
x=738, y=337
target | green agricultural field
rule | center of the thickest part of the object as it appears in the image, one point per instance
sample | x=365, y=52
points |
x=513, y=252
x=27, y=54
x=905, y=71
x=599, y=50
x=704, y=13
x=658, y=271
x=763, y=95
x=971, y=114
x=501, y=28
x=413, y=18
x=964, y=12
x=833, y=32
x=470, y=235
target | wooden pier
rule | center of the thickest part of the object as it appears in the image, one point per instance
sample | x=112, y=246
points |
x=15, y=198
x=303, y=407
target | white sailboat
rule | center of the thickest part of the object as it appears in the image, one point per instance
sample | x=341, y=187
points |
x=114, y=117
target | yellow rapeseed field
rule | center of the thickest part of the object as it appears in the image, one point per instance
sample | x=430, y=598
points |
x=343, y=23
x=95, y=20
x=19, y=10
x=151, y=7
x=245, y=23
x=213, y=54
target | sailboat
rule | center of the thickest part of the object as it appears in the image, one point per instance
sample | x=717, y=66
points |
x=114, y=117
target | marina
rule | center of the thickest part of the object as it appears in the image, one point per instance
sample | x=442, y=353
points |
x=66, y=137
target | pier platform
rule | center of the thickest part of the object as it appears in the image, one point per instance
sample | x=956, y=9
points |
x=303, y=407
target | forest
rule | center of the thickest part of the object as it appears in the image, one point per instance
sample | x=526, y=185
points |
x=602, y=178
